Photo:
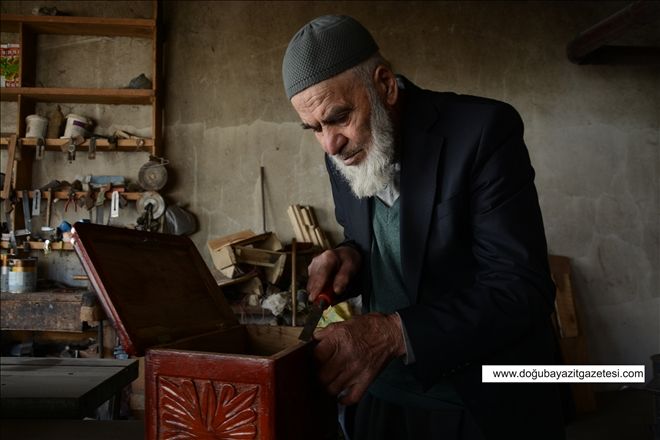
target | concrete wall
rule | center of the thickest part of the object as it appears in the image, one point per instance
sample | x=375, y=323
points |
x=592, y=131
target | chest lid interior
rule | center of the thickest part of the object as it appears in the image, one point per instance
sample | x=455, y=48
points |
x=156, y=287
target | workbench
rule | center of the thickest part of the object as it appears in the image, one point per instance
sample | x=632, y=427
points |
x=60, y=388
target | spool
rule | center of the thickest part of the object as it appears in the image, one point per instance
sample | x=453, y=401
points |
x=76, y=126
x=22, y=275
x=36, y=126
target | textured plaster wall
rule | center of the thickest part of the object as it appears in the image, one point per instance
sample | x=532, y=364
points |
x=592, y=131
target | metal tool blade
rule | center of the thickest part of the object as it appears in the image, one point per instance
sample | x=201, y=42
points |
x=313, y=320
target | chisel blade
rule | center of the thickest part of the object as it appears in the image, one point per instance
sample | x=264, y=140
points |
x=313, y=320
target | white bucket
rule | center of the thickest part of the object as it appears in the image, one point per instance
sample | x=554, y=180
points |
x=36, y=126
x=76, y=126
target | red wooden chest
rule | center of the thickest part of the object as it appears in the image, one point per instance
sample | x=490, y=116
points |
x=207, y=376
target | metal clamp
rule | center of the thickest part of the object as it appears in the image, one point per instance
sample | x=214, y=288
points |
x=40, y=148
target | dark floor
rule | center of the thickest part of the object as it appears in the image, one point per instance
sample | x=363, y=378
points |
x=620, y=415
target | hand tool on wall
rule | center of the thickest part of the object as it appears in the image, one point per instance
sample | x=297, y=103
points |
x=26, y=211
x=72, y=198
x=49, y=200
x=114, y=204
x=40, y=148
x=322, y=302
x=36, y=202
x=100, y=201
x=91, y=153
x=19, y=150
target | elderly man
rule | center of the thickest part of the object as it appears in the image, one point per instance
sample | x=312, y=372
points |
x=443, y=239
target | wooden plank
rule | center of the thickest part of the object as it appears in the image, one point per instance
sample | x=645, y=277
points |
x=303, y=229
x=257, y=257
x=293, y=218
x=69, y=25
x=218, y=243
x=564, y=300
x=573, y=348
x=11, y=155
x=39, y=245
x=80, y=95
x=224, y=259
x=128, y=145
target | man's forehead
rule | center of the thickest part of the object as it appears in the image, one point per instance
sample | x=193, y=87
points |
x=326, y=95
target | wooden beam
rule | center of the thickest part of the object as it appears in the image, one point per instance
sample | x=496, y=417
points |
x=592, y=46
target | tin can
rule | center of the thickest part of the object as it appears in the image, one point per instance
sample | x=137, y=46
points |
x=22, y=275
x=4, y=273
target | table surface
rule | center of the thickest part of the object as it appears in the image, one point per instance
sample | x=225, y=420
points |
x=72, y=429
x=60, y=388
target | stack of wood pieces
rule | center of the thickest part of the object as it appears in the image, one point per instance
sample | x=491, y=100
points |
x=306, y=227
x=233, y=253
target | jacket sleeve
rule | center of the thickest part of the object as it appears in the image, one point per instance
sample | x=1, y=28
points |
x=511, y=292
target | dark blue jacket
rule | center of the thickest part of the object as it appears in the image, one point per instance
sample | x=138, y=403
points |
x=474, y=256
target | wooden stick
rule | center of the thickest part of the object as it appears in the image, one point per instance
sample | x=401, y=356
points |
x=294, y=299
x=11, y=155
x=263, y=200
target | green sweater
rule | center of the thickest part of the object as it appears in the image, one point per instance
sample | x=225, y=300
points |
x=396, y=383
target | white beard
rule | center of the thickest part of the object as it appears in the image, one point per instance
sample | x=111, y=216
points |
x=376, y=170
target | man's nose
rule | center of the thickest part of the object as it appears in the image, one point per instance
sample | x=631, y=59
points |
x=333, y=142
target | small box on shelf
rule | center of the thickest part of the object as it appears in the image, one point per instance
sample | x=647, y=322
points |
x=10, y=61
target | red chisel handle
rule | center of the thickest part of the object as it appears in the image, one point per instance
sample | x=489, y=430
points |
x=325, y=298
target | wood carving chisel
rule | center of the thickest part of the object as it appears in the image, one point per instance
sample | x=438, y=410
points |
x=322, y=302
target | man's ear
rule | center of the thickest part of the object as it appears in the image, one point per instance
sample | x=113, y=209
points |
x=385, y=81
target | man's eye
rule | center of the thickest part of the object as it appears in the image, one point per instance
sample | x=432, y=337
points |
x=342, y=118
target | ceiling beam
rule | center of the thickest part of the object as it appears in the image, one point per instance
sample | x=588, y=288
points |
x=593, y=46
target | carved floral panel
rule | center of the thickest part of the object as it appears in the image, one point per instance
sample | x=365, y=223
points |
x=204, y=410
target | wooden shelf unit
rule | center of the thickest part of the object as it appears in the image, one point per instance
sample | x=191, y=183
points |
x=127, y=145
x=29, y=26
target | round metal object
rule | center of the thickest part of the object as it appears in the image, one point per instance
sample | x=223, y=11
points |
x=152, y=175
x=151, y=198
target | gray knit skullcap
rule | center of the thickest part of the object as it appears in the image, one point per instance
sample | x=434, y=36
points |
x=323, y=48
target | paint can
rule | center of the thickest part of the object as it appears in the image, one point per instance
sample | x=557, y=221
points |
x=77, y=126
x=22, y=275
x=36, y=126
x=4, y=273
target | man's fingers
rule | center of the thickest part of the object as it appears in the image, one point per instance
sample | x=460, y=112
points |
x=321, y=270
x=353, y=394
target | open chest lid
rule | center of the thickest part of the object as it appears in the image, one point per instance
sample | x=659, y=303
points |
x=155, y=287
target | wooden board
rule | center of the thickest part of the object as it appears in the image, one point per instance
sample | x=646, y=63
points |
x=564, y=300
x=572, y=341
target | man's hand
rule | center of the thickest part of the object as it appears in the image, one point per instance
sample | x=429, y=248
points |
x=333, y=267
x=350, y=354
